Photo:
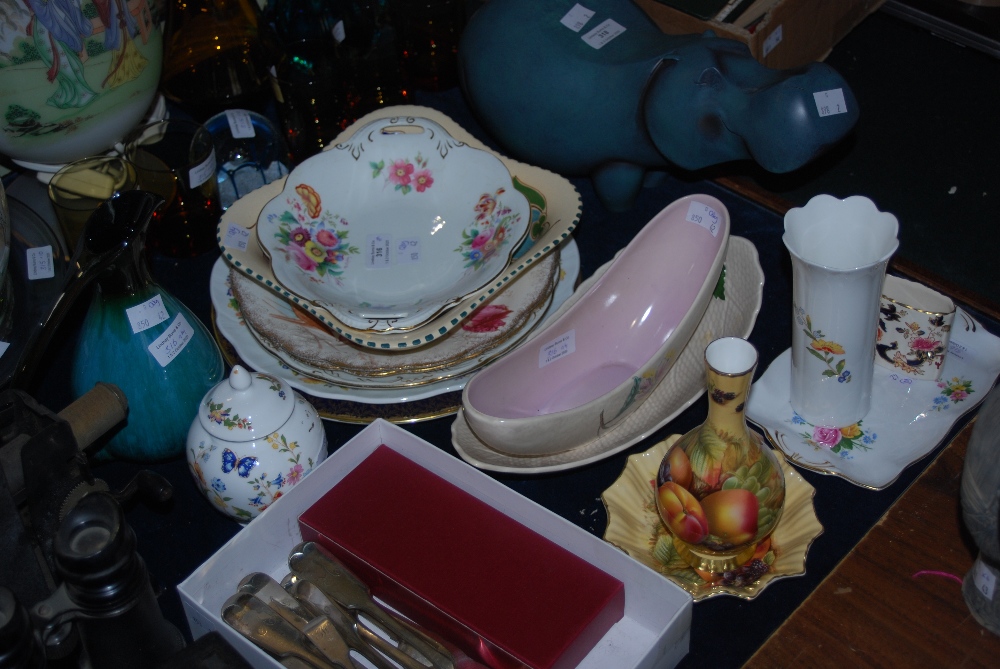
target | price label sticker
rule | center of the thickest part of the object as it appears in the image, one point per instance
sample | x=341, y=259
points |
x=169, y=345
x=960, y=351
x=984, y=579
x=338, y=32
x=605, y=31
x=408, y=251
x=202, y=173
x=237, y=237
x=40, y=263
x=773, y=40
x=146, y=315
x=831, y=102
x=576, y=18
x=240, y=125
x=3, y=347
x=557, y=348
x=379, y=251
x=703, y=215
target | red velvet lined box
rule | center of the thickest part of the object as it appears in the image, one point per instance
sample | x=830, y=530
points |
x=505, y=594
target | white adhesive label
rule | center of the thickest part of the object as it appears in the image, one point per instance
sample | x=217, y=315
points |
x=605, y=31
x=960, y=351
x=577, y=18
x=773, y=40
x=339, y=34
x=146, y=315
x=408, y=251
x=3, y=348
x=202, y=173
x=40, y=264
x=557, y=348
x=705, y=216
x=240, y=125
x=169, y=345
x=830, y=103
x=236, y=237
x=984, y=578
x=379, y=251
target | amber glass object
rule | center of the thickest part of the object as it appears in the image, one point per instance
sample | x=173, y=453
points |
x=215, y=57
x=429, y=31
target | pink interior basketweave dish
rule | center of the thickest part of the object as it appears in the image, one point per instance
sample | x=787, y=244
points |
x=585, y=372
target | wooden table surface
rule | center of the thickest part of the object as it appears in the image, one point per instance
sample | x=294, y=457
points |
x=875, y=610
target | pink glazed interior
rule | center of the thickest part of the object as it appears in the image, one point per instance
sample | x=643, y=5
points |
x=616, y=328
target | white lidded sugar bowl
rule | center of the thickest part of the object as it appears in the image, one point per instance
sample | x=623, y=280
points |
x=252, y=440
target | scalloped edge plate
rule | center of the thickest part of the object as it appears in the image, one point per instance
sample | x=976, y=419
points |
x=635, y=527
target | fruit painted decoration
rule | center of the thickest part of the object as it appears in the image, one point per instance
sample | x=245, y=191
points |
x=719, y=489
x=718, y=505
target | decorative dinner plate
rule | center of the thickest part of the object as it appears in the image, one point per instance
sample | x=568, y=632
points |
x=393, y=225
x=341, y=403
x=555, y=209
x=635, y=527
x=295, y=337
x=734, y=316
x=908, y=418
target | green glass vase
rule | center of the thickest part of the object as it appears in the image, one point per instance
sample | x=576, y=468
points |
x=141, y=338
x=135, y=335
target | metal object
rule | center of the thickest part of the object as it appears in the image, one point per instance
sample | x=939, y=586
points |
x=357, y=635
x=310, y=562
x=69, y=555
x=262, y=625
x=317, y=628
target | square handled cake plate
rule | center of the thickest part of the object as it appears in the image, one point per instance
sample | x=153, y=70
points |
x=554, y=209
x=388, y=228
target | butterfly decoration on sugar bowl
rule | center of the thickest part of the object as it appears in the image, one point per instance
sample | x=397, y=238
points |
x=252, y=439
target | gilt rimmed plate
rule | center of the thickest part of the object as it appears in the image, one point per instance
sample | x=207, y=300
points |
x=342, y=403
x=393, y=225
x=295, y=337
x=635, y=527
x=909, y=417
x=555, y=207
x=732, y=312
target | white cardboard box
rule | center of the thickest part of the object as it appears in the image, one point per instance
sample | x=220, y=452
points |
x=653, y=633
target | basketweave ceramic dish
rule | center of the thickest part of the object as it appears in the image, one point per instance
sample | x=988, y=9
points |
x=732, y=312
x=554, y=211
x=587, y=371
x=388, y=228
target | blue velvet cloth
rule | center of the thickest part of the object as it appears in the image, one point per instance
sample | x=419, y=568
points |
x=725, y=631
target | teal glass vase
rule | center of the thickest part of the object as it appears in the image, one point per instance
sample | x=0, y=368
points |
x=135, y=335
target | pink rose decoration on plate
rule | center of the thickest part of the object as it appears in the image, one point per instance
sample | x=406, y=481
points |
x=827, y=436
x=488, y=319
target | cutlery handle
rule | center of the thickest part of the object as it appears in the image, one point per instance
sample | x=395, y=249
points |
x=387, y=649
x=438, y=656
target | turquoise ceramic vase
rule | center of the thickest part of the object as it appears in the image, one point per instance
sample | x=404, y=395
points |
x=139, y=337
x=144, y=340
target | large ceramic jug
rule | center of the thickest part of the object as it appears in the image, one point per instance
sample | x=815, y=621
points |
x=75, y=75
x=135, y=335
